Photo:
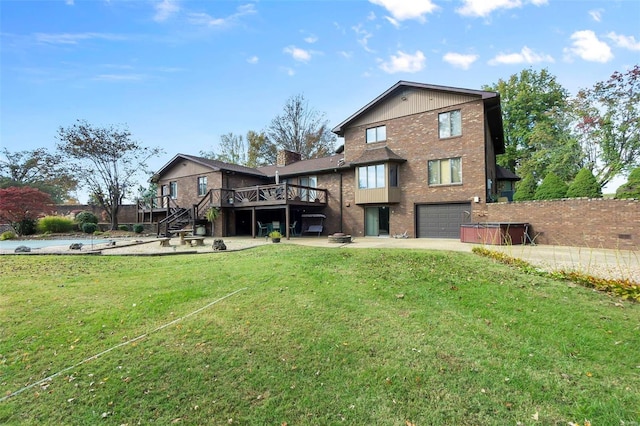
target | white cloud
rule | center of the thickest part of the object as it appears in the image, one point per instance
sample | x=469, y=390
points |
x=626, y=42
x=596, y=14
x=69, y=2
x=404, y=62
x=345, y=54
x=119, y=77
x=525, y=56
x=66, y=38
x=289, y=71
x=402, y=10
x=311, y=39
x=459, y=60
x=165, y=9
x=253, y=60
x=483, y=8
x=298, y=54
x=364, y=37
x=587, y=46
x=205, y=19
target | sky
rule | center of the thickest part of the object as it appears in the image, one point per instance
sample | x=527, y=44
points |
x=179, y=73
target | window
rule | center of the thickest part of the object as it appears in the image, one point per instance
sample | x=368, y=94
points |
x=371, y=176
x=202, y=186
x=377, y=134
x=443, y=172
x=310, y=182
x=393, y=175
x=450, y=124
x=173, y=190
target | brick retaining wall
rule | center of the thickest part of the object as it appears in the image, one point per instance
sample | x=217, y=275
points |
x=581, y=222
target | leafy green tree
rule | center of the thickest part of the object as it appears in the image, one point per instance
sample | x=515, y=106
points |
x=260, y=152
x=301, y=129
x=608, y=124
x=537, y=134
x=526, y=189
x=631, y=189
x=584, y=185
x=551, y=188
x=107, y=161
x=37, y=169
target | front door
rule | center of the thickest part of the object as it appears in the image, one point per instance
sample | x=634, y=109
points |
x=376, y=221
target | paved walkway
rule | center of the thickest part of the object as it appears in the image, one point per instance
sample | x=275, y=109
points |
x=623, y=264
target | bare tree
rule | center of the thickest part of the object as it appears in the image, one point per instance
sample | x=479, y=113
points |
x=108, y=162
x=301, y=129
x=231, y=150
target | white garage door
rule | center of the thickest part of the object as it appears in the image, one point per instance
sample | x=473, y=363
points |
x=441, y=220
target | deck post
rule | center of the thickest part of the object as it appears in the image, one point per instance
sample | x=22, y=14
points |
x=287, y=220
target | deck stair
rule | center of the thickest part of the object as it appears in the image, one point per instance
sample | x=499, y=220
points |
x=178, y=219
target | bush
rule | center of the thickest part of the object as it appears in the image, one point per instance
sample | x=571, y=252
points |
x=7, y=235
x=551, y=188
x=584, y=185
x=26, y=227
x=85, y=217
x=631, y=189
x=525, y=189
x=55, y=224
x=137, y=228
x=89, y=227
x=123, y=228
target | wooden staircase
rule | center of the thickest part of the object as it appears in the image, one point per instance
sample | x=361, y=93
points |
x=177, y=219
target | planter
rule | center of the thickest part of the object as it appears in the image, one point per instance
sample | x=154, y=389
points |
x=498, y=233
x=275, y=240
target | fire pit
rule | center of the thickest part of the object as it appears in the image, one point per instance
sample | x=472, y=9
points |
x=339, y=238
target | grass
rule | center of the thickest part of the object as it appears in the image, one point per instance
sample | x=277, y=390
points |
x=313, y=336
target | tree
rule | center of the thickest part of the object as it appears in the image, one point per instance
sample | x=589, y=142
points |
x=526, y=189
x=211, y=215
x=608, y=124
x=584, y=185
x=20, y=207
x=631, y=189
x=37, y=169
x=301, y=129
x=551, y=188
x=231, y=150
x=537, y=134
x=107, y=160
x=260, y=151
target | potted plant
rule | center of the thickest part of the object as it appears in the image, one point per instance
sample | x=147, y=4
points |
x=275, y=236
x=211, y=215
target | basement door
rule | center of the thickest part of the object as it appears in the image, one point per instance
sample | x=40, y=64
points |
x=376, y=221
x=441, y=220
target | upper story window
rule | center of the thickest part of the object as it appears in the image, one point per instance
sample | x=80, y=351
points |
x=371, y=176
x=445, y=172
x=173, y=190
x=202, y=186
x=377, y=134
x=450, y=124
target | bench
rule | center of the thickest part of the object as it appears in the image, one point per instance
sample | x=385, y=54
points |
x=314, y=229
x=194, y=241
x=164, y=242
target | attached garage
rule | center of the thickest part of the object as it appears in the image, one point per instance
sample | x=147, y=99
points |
x=441, y=220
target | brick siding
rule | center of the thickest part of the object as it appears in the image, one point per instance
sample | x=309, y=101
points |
x=579, y=222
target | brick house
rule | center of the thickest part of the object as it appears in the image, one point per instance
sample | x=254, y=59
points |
x=418, y=159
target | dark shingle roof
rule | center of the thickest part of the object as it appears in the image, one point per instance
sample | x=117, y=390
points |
x=505, y=174
x=377, y=155
x=312, y=165
x=214, y=165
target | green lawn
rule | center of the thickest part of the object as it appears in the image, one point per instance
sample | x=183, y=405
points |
x=311, y=336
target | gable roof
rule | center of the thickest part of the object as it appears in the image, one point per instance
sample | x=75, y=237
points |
x=214, y=165
x=312, y=165
x=491, y=102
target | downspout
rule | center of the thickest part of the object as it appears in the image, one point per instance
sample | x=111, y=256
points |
x=341, y=204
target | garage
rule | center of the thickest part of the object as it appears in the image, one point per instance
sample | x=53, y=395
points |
x=441, y=220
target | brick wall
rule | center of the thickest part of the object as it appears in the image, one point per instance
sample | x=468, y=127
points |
x=126, y=214
x=415, y=138
x=580, y=222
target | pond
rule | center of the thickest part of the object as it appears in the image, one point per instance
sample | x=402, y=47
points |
x=36, y=244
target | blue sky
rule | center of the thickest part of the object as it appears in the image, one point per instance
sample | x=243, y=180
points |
x=179, y=74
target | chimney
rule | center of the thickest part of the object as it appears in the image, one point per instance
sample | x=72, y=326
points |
x=286, y=157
